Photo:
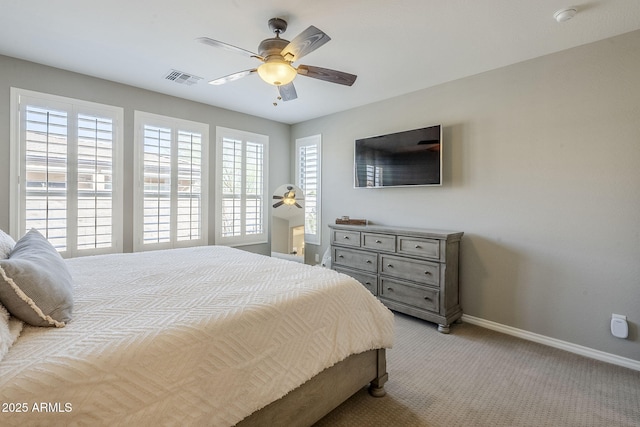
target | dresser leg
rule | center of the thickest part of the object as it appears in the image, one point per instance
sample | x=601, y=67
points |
x=443, y=329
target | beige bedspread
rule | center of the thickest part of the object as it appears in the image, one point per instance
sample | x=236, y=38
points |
x=198, y=336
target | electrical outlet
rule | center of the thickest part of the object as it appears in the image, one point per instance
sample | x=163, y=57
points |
x=317, y=257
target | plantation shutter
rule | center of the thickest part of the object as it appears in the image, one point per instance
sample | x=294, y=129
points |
x=240, y=201
x=46, y=155
x=95, y=181
x=157, y=185
x=68, y=183
x=232, y=177
x=189, y=216
x=308, y=179
x=171, y=173
x=254, y=188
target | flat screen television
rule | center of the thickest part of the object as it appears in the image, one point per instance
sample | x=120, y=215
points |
x=408, y=158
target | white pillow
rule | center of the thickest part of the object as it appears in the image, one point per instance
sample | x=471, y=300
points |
x=10, y=328
x=6, y=245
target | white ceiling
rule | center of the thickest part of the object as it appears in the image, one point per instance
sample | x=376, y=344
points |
x=394, y=47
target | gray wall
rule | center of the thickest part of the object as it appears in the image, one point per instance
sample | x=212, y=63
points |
x=542, y=173
x=27, y=75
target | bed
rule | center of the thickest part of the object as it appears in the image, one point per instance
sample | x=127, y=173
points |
x=198, y=336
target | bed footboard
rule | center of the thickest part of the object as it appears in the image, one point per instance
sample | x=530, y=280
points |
x=325, y=392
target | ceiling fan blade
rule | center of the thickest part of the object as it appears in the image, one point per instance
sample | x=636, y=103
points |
x=277, y=197
x=328, y=75
x=304, y=43
x=229, y=47
x=297, y=205
x=287, y=92
x=232, y=77
x=280, y=203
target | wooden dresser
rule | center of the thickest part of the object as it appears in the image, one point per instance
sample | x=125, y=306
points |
x=413, y=271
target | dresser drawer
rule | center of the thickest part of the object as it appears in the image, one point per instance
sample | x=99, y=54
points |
x=415, y=246
x=369, y=281
x=413, y=295
x=379, y=242
x=346, y=238
x=410, y=269
x=361, y=260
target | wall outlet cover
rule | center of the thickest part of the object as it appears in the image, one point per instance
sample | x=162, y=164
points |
x=619, y=326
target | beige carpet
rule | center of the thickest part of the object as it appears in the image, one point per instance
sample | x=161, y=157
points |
x=478, y=377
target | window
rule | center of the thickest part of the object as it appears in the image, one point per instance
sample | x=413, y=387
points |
x=241, y=214
x=171, y=174
x=308, y=175
x=66, y=172
x=374, y=175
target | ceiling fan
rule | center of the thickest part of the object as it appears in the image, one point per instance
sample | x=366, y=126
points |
x=278, y=55
x=289, y=198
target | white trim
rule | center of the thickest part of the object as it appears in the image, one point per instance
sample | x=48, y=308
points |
x=14, y=163
x=555, y=343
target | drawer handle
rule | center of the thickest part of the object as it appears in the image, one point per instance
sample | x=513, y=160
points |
x=428, y=298
x=418, y=247
x=346, y=237
x=389, y=265
x=368, y=261
x=340, y=256
x=378, y=241
x=428, y=273
x=367, y=283
x=390, y=289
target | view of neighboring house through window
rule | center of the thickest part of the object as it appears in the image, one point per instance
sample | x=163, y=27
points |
x=171, y=172
x=308, y=174
x=242, y=159
x=67, y=172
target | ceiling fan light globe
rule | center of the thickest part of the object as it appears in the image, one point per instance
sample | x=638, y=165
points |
x=277, y=73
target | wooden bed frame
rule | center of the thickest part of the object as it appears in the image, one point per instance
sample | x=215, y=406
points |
x=326, y=391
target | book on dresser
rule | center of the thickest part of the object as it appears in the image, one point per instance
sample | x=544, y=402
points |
x=411, y=270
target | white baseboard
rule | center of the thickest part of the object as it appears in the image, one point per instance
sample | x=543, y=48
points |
x=552, y=342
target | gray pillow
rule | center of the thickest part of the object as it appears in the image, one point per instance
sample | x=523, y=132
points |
x=6, y=245
x=35, y=285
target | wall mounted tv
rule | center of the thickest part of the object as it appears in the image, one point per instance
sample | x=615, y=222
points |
x=409, y=158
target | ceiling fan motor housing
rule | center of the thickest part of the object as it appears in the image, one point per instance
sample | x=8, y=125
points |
x=272, y=47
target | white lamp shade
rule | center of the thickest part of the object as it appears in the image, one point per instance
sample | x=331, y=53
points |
x=277, y=73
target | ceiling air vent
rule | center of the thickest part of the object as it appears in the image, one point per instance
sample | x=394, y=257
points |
x=182, y=78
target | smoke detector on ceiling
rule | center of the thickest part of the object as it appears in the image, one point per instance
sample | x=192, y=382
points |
x=563, y=15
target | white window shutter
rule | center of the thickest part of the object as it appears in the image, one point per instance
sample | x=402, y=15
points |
x=241, y=208
x=308, y=178
x=67, y=179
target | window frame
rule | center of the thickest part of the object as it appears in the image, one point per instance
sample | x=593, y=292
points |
x=141, y=120
x=243, y=239
x=311, y=238
x=17, y=193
